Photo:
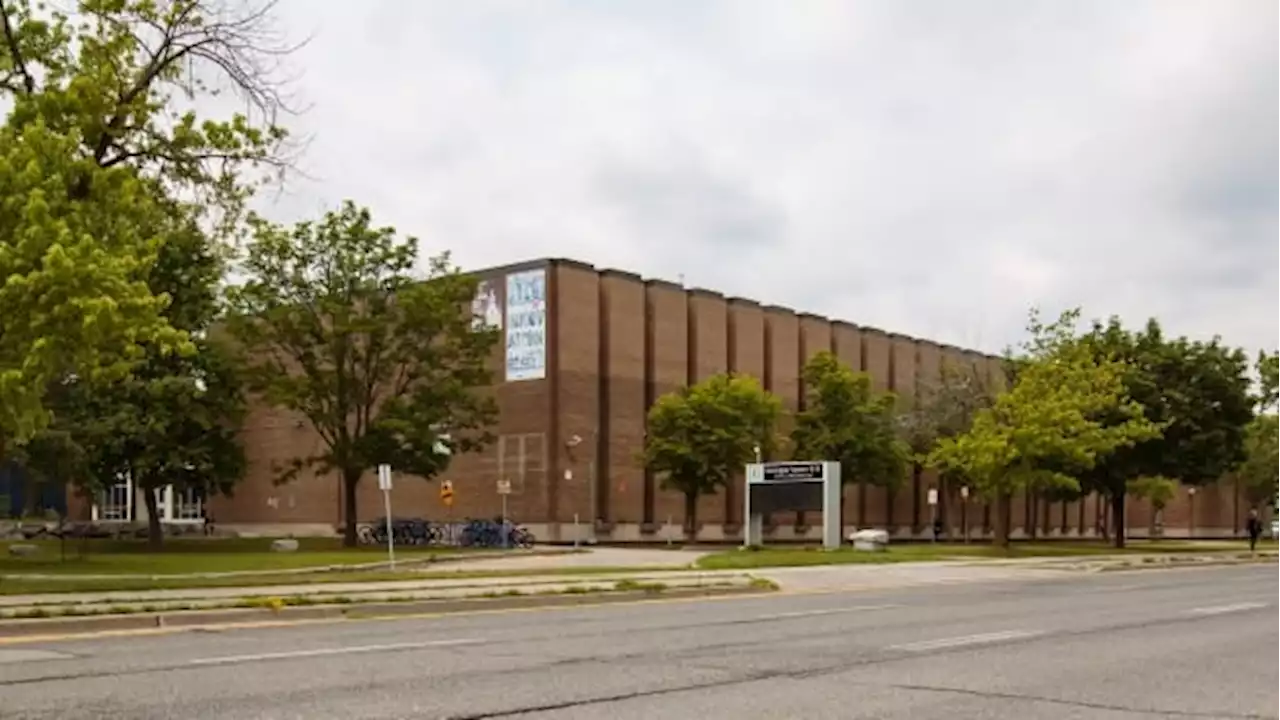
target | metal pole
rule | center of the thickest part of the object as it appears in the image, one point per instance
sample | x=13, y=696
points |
x=506, y=532
x=577, y=531
x=391, y=539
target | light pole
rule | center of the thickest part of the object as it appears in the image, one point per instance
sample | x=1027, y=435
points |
x=964, y=512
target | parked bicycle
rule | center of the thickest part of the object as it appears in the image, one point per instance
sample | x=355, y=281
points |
x=466, y=533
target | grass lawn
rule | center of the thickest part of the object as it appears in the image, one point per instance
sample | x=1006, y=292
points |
x=193, y=555
x=18, y=586
x=916, y=552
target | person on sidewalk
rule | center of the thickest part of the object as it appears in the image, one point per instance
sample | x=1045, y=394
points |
x=1253, y=526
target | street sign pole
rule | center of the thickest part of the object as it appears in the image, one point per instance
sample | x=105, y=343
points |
x=384, y=483
x=504, y=489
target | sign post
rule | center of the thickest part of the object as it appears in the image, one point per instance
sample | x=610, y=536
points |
x=504, y=489
x=806, y=486
x=384, y=484
x=964, y=511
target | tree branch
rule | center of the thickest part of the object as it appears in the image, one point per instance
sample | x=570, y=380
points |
x=11, y=40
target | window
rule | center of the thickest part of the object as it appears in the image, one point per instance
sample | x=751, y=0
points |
x=117, y=504
x=186, y=504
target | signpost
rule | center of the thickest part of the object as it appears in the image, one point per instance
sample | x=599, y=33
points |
x=964, y=511
x=504, y=489
x=805, y=486
x=384, y=484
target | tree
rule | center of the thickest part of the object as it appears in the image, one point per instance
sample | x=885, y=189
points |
x=75, y=299
x=846, y=420
x=944, y=407
x=387, y=368
x=1156, y=490
x=93, y=150
x=115, y=77
x=699, y=437
x=1039, y=432
x=1198, y=391
x=175, y=419
x=1259, y=475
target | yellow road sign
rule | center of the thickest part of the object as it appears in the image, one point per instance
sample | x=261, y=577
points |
x=446, y=492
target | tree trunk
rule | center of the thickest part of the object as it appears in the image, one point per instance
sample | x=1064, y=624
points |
x=1033, y=515
x=350, y=480
x=155, y=533
x=1003, y=514
x=690, y=517
x=1117, y=516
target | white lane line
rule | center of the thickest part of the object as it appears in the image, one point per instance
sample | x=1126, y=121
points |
x=952, y=642
x=817, y=613
x=1222, y=609
x=351, y=650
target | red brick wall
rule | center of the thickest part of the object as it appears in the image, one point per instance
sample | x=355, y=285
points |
x=906, y=501
x=708, y=356
x=616, y=342
x=622, y=329
x=746, y=355
x=846, y=343
x=668, y=319
x=782, y=375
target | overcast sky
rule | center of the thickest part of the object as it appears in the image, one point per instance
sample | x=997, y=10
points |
x=930, y=167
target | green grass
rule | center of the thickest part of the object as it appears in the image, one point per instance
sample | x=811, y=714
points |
x=920, y=552
x=71, y=584
x=190, y=555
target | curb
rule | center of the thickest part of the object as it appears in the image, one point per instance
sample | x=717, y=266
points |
x=213, y=619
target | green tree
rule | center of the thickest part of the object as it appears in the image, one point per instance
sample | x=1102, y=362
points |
x=944, y=407
x=1199, y=392
x=175, y=419
x=701, y=436
x=115, y=77
x=1259, y=474
x=1268, y=369
x=75, y=298
x=1045, y=426
x=387, y=368
x=846, y=420
x=1156, y=490
x=93, y=147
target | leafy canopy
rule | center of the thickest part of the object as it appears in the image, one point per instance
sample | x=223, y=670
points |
x=1046, y=424
x=846, y=420
x=74, y=293
x=387, y=368
x=117, y=75
x=1259, y=474
x=1199, y=392
x=701, y=436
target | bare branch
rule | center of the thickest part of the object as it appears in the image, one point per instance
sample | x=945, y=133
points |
x=15, y=53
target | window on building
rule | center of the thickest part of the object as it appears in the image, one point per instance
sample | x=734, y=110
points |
x=116, y=504
x=188, y=504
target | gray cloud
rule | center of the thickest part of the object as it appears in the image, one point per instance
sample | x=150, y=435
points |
x=933, y=167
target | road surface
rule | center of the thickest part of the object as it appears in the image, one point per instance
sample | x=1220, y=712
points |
x=1198, y=643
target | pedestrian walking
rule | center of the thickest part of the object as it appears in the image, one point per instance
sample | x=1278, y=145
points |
x=1253, y=526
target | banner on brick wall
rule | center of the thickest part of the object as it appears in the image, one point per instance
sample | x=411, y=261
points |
x=526, y=330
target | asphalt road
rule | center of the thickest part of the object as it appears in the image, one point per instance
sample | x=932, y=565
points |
x=1198, y=643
